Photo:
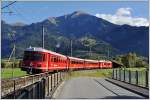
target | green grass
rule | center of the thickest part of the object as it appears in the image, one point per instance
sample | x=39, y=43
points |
x=92, y=73
x=134, y=69
x=5, y=63
x=7, y=73
x=137, y=69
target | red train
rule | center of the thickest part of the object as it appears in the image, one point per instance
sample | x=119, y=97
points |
x=37, y=60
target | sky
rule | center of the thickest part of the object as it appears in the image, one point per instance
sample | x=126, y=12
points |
x=132, y=13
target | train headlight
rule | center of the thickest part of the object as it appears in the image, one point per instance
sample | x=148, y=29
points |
x=31, y=64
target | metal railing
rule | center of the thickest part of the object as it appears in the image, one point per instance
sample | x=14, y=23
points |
x=32, y=86
x=139, y=78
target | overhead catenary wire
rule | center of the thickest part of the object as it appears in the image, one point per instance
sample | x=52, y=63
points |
x=15, y=10
x=8, y=5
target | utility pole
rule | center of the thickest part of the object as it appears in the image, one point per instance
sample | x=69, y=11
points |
x=14, y=59
x=43, y=37
x=13, y=53
x=108, y=54
x=90, y=53
x=71, y=48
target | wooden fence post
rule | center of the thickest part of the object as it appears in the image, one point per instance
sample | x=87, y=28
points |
x=57, y=77
x=136, y=77
x=51, y=82
x=113, y=74
x=129, y=76
x=60, y=76
x=48, y=86
x=14, y=88
x=119, y=74
x=54, y=80
x=116, y=74
x=146, y=78
x=124, y=75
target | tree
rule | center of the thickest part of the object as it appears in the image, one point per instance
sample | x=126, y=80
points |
x=119, y=59
x=141, y=63
x=88, y=42
x=131, y=60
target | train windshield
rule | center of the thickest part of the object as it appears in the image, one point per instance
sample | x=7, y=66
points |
x=30, y=56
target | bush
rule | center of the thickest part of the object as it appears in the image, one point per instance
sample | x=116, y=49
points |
x=6, y=64
x=140, y=63
x=131, y=60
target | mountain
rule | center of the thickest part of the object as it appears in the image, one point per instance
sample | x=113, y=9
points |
x=18, y=24
x=80, y=27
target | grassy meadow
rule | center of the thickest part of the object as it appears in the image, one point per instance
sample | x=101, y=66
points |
x=7, y=73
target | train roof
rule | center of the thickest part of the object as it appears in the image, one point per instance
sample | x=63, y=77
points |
x=91, y=60
x=39, y=49
x=74, y=58
x=104, y=61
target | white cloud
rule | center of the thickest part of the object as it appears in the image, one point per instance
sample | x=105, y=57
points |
x=124, y=16
x=124, y=12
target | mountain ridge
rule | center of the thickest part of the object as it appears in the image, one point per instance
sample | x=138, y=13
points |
x=75, y=26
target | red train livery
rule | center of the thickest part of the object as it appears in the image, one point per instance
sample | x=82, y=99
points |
x=37, y=60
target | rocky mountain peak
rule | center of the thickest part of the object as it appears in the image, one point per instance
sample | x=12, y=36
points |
x=78, y=13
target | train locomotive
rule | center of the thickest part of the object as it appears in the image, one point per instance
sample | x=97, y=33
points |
x=37, y=60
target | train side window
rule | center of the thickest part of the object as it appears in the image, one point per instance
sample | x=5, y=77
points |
x=55, y=59
x=52, y=59
x=49, y=58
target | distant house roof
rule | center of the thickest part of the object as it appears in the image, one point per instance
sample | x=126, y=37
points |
x=116, y=63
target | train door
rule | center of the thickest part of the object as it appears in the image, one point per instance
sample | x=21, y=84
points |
x=68, y=63
x=46, y=59
x=49, y=61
